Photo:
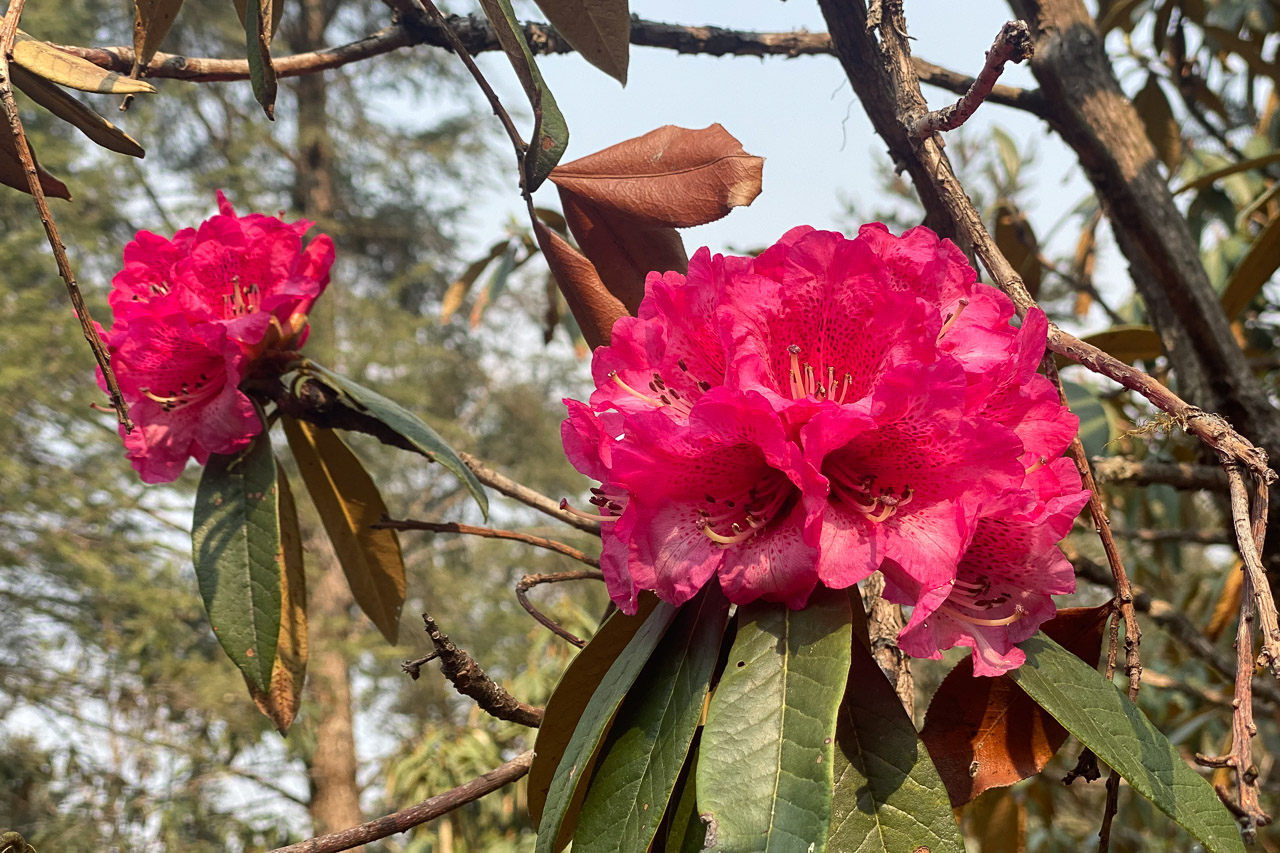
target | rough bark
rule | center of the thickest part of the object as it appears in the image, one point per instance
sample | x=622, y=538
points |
x=1087, y=108
x=331, y=771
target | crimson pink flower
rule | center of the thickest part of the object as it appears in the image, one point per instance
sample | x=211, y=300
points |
x=1004, y=587
x=831, y=408
x=193, y=316
x=243, y=271
x=180, y=377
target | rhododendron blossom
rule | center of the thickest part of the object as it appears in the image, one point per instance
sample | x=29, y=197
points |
x=193, y=316
x=828, y=409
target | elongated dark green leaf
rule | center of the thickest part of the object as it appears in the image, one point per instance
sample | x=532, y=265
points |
x=550, y=132
x=888, y=795
x=257, y=36
x=235, y=537
x=577, y=684
x=594, y=723
x=687, y=832
x=407, y=424
x=649, y=740
x=1090, y=707
x=764, y=771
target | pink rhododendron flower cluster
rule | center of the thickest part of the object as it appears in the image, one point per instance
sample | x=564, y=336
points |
x=193, y=316
x=828, y=409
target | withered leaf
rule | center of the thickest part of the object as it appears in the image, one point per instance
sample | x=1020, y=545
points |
x=70, y=110
x=985, y=733
x=593, y=306
x=599, y=30
x=152, y=20
x=58, y=66
x=281, y=701
x=671, y=177
x=622, y=251
x=1017, y=242
x=14, y=175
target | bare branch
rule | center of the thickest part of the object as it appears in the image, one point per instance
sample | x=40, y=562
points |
x=526, y=495
x=1180, y=475
x=529, y=581
x=8, y=32
x=424, y=811
x=487, y=533
x=1250, y=554
x=1012, y=44
x=470, y=680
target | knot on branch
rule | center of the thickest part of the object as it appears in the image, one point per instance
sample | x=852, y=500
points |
x=469, y=679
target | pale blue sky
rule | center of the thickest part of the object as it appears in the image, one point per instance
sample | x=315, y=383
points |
x=800, y=114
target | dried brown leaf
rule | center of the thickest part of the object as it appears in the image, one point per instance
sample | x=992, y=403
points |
x=671, y=177
x=70, y=110
x=151, y=22
x=349, y=504
x=280, y=703
x=593, y=306
x=14, y=175
x=1017, y=242
x=986, y=733
x=599, y=30
x=622, y=251
x=1157, y=117
x=58, y=66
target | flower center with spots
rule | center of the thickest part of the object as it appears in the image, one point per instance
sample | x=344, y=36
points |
x=242, y=299
x=967, y=597
x=861, y=494
x=737, y=518
x=805, y=380
x=185, y=394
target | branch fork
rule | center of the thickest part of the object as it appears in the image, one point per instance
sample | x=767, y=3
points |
x=1012, y=44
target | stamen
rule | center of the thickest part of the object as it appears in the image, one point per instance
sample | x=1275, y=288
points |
x=844, y=388
x=885, y=513
x=633, y=392
x=1037, y=465
x=952, y=319
x=728, y=540
x=564, y=505
x=797, y=388
x=1018, y=613
x=809, y=386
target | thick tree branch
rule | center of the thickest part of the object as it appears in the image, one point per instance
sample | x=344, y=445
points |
x=477, y=36
x=417, y=815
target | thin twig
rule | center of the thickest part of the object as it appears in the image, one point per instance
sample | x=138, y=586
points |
x=528, y=582
x=1190, y=536
x=1012, y=44
x=455, y=44
x=8, y=32
x=487, y=533
x=424, y=811
x=1251, y=555
x=526, y=495
x=469, y=679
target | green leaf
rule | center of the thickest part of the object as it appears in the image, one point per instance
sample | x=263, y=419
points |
x=888, y=795
x=764, y=773
x=1089, y=706
x=577, y=684
x=650, y=738
x=599, y=30
x=405, y=423
x=262, y=74
x=550, y=132
x=235, y=537
x=688, y=833
x=594, y=724
x=1095, y=427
